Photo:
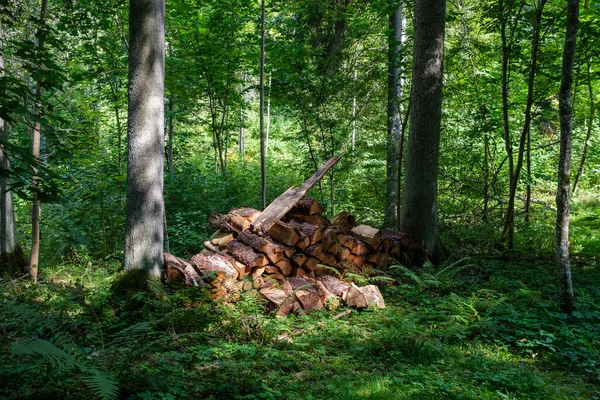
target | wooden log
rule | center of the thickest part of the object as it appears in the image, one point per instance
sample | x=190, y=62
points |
x=288, y=251
x=245, y=254
x=329, y=237
x=372, y=296
x=344, y=221
x=281, y=205
x=284, y=233
x=309, y=299
x=298, y=259
x=216, y=263
x=357, y=260
x=305, y=229
x=329, y=301
x=303, y=243
x=271, y=269
x=328, y=259
x=355, y=298
x=307, y=206
x=334, y=285
x=237, y=222
x=379, y=258
x=357, y=246
x=178, y=270
x=368, y=234
x=343, y=254
x=285, y=266
x=274, y=295
x=220, y=238
x=275, y=276
x=297, y=272
x=273, y=251
x=334, y=248
x=206, y=252
x=290, y=303
x=314, y=250
x=250, y=214
x=219, y=221
x=311, y=263
x=316, y=219
x=241, y=269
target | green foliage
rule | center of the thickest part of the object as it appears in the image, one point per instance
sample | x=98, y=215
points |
x=102, y=383
x=488, y=328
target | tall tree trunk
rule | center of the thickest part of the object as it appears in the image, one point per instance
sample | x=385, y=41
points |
x=35, y=151
x=268, y=129
x=11, y=256
x=354, y=116
x=588, y=135
x=145, y=131
x=394, y=116
x=565, y=286
x=506, y=49
x=170, y=134
x=509, y=223
x=419, y=208
x=263, y=177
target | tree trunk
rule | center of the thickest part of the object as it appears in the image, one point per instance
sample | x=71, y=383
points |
x=263, y=177
x=509, y=223
x=394, y=117
x=145, y=130
x=419, y=208
x=35, y=151
x=588, y=135
x=170, y=133
x=565, y=287
x=268, y=129
x=11, y=256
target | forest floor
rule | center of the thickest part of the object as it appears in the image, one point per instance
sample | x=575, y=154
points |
x=483, y=327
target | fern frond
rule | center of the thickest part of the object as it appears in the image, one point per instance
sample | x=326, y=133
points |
x=453, y=267
x=130, y=335
x=407, y=272
x=380, y=278
x=359, y=279
x=48, y=351
x=330, y=269
x=102, y=383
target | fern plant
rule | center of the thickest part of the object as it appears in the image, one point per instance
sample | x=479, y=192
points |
x=104, y=385
x=430, y=279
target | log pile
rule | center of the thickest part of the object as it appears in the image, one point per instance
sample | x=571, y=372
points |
x=292, y=255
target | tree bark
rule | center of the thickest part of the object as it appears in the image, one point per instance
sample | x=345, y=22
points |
x=35, y=151
x=170, y=134
x=11, y=256
x=394, y=117
x=419, y=208
x=145, y=131
x=263, y=178
x=565, y=286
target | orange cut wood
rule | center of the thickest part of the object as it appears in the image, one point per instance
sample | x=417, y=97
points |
x=368, y=234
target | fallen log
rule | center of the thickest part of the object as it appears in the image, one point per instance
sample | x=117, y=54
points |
x=281, y=205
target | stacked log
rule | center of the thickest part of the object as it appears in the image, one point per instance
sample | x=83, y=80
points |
x=296, y=261
x=292, y=254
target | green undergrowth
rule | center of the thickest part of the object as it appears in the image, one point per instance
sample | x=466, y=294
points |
x=486, y=327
